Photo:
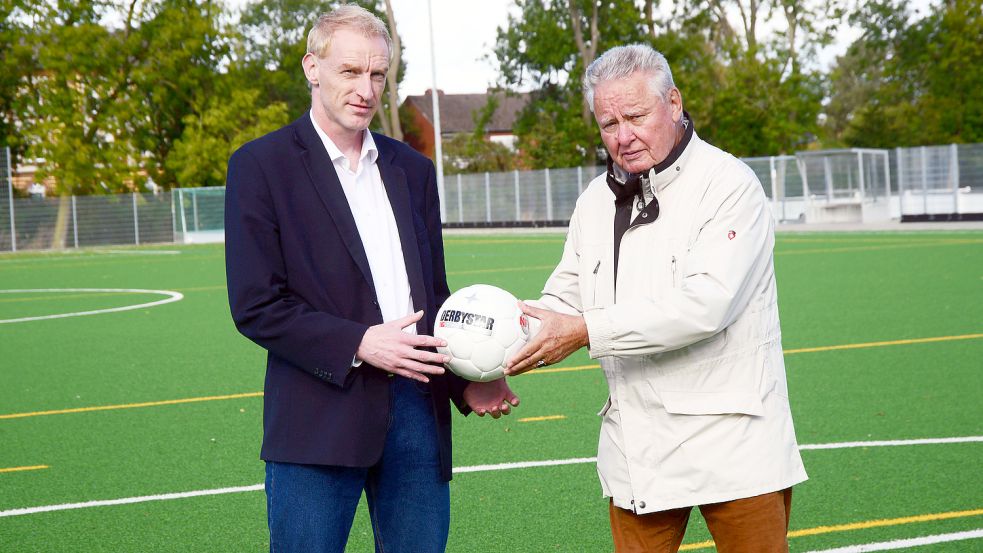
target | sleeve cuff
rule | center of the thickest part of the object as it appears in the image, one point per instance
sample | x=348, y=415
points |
x=600, y=333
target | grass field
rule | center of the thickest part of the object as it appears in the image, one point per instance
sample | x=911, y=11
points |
x=883, y=334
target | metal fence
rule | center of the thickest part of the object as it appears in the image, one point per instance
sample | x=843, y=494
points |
x=940, y=182
x=541, y=196
x=931, y=182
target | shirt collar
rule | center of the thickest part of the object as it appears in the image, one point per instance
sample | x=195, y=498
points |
x=369, y=150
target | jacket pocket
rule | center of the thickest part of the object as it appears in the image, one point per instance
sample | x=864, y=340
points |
x=604, y=409
x=591, y=266
x=712, y=403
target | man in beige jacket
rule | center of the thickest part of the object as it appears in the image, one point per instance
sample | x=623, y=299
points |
x=667, y=276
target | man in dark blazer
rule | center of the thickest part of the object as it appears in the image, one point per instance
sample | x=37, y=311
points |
x=335, y=266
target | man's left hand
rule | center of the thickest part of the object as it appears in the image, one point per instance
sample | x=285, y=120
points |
x=494, y=398
x=558, y=337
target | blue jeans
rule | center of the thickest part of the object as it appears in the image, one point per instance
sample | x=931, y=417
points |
x=311, y=507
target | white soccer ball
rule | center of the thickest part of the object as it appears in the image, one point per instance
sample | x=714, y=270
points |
x=483, y=328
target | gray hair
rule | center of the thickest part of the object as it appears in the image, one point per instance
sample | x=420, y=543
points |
x=623, y=61
x=347, y=16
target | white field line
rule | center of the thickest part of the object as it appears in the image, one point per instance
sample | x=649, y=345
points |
x=457, y=470
x=128, y=500
x=171, y=297
x=903, y=544
x=888, y=443
x=525, y=465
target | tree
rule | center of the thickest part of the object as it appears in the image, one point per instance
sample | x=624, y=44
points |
x=200, y=157
x=747, y=95
x=178, y=78
x=909, y=81
x=77, y=108
x=547, y=45
x=16, y=63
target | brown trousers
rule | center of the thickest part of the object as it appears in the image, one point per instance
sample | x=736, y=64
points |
x=752, y=525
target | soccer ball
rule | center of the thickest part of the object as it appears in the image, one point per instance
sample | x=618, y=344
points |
x=483, y=328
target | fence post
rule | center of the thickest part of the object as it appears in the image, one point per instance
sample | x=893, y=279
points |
x=901, y=181
x=487, y=197
x=921, y=151
x=136, y=220
x=549, y=196
x=75, y=223
x=10, y=198
x=860, y=173
x=184, y=220
x=460, y=201
x=887, y=178
x=518, y=207
x=194, y=207
x=580, y=180
x=954, y=176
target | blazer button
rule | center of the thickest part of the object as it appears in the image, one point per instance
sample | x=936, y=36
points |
x=641, y=504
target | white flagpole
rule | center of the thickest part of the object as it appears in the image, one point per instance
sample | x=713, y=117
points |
x=438, y=150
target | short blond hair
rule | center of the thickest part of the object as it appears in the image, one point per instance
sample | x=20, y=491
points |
x=350, y=17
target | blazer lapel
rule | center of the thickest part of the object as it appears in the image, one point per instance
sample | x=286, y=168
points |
x=394, y=179
x=325, y=180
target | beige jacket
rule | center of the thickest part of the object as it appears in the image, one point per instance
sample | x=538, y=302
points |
x=690, y=345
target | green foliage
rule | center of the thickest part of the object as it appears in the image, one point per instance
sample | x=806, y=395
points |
x=76, y=105
x=200, y=157
x=552, y=134
x=537, y=47
x=104, y=94
x=909, y=83
x=172, y=86
x=748, y=96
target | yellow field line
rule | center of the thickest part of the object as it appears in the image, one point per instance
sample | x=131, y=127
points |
x=550, y=370
x=565, y=369
x=887, y=343
x=130, y=405
x=20, y=469
x=546, y=418
x=859, y=526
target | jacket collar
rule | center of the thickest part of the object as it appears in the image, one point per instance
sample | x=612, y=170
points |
x=663, y=174
x=626, y=185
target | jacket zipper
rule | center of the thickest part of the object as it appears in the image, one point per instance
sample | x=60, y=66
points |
x=593, y=297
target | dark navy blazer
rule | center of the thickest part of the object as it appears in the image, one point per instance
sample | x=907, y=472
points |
x=300, y=287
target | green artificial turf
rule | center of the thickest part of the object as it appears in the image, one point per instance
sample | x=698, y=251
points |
x=835, y=289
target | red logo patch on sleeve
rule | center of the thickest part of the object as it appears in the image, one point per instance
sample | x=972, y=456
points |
x=731, y=235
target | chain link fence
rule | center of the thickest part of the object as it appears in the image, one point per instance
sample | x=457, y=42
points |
x=862, y=185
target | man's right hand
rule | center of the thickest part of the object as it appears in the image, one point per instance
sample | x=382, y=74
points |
x=387, y=347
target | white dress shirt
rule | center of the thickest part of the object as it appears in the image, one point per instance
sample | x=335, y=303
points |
x=376, y=225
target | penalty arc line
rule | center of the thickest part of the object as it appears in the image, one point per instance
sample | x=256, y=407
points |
x=480, y=468
x=171, y=297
